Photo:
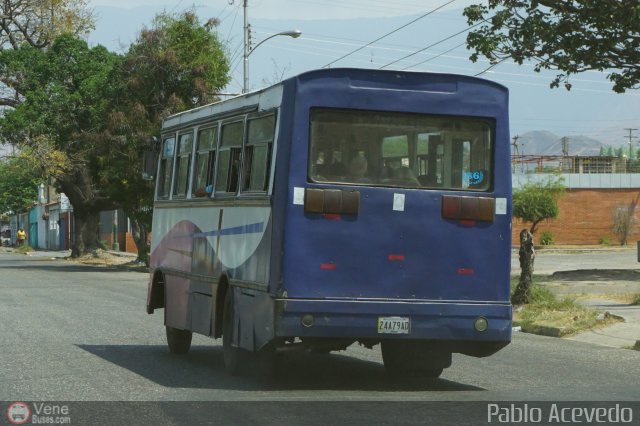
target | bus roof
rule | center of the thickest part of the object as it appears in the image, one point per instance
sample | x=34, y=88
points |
x=271, y=97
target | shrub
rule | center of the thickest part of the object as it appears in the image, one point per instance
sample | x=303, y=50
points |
x=546, y=238
x=24, y=248
x=605, y=241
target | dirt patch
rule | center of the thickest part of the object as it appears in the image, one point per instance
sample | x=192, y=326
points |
x=100, y=257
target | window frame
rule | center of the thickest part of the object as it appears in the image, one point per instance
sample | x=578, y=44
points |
x=250, y=147
x=166, y=162
x=210, y=167
x=325, y=152
x=177, y=168
x=234, y=151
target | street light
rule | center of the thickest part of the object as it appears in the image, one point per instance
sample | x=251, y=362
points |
x=248, y=51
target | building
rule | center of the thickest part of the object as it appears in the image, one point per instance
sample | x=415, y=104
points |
x=596, y=189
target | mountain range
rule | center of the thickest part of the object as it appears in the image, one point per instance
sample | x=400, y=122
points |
x=543, y=142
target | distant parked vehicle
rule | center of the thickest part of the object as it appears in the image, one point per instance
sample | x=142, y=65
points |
x=5, y=237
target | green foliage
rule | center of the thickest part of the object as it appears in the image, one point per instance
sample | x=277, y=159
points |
x=605, y=241
x=547, y=238
x=536, y=201
x=18, y=184
x=38, y=22
x=67, y=91
x=571, y=37
x=24, y=248
x=177, y=64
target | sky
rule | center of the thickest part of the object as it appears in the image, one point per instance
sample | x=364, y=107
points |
x=332, y=29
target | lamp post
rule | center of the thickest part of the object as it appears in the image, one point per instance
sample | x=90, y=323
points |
x=116, y=244
x=248, y=50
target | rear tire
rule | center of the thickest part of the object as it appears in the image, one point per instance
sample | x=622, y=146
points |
x=410, y=359
x=179, y=341
x=230, y=353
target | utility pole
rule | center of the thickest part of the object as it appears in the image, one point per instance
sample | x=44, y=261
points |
x=565, y=146
x=247, y=48
x=630, y=138
x=516, y=154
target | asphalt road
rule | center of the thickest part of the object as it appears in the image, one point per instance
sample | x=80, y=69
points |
x=73, y=332
x=548, y=261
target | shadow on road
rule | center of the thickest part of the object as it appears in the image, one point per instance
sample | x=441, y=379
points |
x=63, y=267
x=598, y=275
x=203, y=368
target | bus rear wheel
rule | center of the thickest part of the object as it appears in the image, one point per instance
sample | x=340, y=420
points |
x=411, y=359
x=179, y=341
x=230, y=353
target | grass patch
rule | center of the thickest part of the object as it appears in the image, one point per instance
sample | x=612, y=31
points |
x=25, y=248
x=550, y=315
x=627, y=298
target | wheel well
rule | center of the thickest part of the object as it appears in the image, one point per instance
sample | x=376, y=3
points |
x=156, y=298
x=221, y=293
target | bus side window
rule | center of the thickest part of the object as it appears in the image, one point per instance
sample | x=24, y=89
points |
x=183, y=163
x=257, y=154
x=205, y=160
x=166, y=165
x=229, y=157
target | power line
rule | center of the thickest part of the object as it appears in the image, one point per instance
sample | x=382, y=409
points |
x=389, y=33
x=495, y=64
x=437, y=56
x=432, y=45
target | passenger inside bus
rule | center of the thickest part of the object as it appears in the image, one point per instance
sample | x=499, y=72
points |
x=358, y=168
x=406, y=176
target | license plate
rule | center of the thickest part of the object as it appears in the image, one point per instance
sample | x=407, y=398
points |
x=394, y=325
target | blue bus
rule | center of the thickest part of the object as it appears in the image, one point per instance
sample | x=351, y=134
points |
x=338, y=206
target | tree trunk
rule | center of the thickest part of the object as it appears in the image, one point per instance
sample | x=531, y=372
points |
x=87, y=232
x=87, y=204
x=522, y=295
x=140, y=237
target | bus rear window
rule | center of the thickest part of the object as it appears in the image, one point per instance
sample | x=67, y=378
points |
x=400, y=150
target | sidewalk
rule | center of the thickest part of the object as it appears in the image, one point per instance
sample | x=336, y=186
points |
x=620, y=335
x=598, y=277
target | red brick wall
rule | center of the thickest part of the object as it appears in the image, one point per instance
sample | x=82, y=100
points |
x=124, y=239
x=586, y=217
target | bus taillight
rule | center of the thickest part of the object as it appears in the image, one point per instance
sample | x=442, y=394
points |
x=468, y=208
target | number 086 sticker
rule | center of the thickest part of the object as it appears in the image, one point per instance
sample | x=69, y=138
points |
x=394, y=325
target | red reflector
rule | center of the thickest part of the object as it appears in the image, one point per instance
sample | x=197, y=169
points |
x=331, y=216
x=467, y=222
x=328, y=266
x=395, y=257
x=466, y=271
x=467, y=209
x=450, y=207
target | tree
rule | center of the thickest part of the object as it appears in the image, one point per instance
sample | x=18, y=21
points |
x=67, y=89
x=177, y=64
x=537, y=201
x=526, y=256
x=36, y=23
x=18, y=184
x=623, y=220
x=570, y=36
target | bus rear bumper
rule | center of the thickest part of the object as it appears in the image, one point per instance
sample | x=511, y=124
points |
x=358, y=320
